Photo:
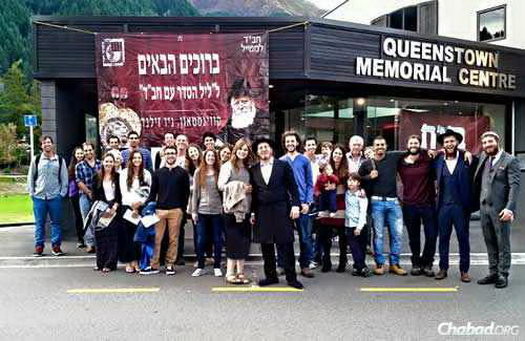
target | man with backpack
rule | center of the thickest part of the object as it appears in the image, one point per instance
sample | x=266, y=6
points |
x=47, y=183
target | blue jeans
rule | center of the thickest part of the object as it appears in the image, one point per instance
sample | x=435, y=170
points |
x=306, y=242
x=41, y=208
x=206, y=223
x=85, y=205
x=388, y=212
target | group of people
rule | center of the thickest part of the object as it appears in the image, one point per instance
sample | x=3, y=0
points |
x=235, y=195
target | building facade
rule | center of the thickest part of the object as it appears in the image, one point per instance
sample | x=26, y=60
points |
x=498, y=22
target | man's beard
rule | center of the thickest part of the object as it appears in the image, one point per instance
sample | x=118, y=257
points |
x=450, y=152
x=496, y=150
x=414, y=151
x=243, y=117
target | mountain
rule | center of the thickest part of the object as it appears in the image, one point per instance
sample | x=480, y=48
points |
x=256, y=8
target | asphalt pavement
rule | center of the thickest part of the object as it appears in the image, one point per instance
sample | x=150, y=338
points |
x=63, y=298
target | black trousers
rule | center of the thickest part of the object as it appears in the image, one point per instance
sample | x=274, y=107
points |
x=79, y=225
x=286, y=249
x=326, y=233
x=182, y=233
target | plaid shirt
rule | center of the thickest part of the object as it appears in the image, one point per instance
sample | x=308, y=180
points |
x=85, y=174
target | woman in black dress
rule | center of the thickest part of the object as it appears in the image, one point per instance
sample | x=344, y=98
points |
x=234, y=180
x=107, y=189
x=74, y=195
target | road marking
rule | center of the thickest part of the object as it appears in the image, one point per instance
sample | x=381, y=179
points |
x=255, y=289
x=65, y=257
x=112, y=290
x=408, y=289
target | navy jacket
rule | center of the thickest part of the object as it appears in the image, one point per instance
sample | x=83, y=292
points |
x=466, y=176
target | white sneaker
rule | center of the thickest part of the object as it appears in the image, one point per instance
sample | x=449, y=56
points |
x=198, y=272
x=217, y=272
x=313, y=265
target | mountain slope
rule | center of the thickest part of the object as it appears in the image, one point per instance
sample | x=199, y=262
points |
x=256, y=8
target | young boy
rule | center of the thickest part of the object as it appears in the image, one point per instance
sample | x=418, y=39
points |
x=356, y=205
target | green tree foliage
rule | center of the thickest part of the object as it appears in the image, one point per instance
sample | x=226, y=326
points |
x=19, y=97
x=9, y=148
x=14, y=33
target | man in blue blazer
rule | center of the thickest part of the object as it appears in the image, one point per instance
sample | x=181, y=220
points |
x=454, y=177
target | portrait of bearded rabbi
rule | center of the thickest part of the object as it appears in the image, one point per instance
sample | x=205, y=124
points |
x=246, y=120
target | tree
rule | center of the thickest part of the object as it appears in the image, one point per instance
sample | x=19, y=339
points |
x=20, y=97
x=14, y=34
x=9, y=146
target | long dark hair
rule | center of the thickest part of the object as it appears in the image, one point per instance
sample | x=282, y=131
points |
x=102, y=171
x=72, y=163
x=342, y=171
x=203, y=167
x=130, y=166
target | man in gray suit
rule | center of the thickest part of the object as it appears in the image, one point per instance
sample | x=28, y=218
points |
x=497, y=182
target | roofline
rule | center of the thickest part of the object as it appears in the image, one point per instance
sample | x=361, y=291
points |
x=344, y=25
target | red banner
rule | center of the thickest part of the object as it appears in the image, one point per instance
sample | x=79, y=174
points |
x=187, y=83
x=430, y=125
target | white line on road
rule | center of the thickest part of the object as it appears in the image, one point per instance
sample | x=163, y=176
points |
x=27, y=262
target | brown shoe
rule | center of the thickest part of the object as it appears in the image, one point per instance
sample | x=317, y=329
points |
x=396, y=269
x=379, y=270
x=442, y=274
x=306, y=272
x=465, y=277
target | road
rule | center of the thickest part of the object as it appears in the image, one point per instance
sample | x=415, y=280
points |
x=47, y=298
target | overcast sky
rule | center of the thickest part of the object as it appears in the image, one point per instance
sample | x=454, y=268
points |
x=326, y=4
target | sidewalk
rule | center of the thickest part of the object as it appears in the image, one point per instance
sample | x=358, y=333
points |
x=17, y=247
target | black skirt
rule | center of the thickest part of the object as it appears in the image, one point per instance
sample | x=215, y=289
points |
x=238, y=237
x=107, y=245
x=128, y=250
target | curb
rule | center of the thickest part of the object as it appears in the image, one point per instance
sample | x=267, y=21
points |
x=16, y=224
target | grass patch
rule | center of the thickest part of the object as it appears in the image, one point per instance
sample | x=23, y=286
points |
x=16, y=209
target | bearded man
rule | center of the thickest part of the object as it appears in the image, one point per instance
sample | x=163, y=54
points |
x=416, y=170
x=454, y=178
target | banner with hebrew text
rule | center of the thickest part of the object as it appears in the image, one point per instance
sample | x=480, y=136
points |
x=182, y=83
x=429, y=125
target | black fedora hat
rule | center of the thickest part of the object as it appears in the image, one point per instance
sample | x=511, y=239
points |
x=262, y=140
x=449, y=132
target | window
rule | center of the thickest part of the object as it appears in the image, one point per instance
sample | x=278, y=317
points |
x=421, y=18
x=492, y=24
x=397, y=118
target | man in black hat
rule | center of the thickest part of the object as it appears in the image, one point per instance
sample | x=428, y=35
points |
x=275, y=203
x=454, y=177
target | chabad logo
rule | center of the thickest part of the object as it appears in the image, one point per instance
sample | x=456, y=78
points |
x=113, y=52
x=493, y=329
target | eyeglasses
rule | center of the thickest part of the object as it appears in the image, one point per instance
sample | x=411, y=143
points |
x=170, y=153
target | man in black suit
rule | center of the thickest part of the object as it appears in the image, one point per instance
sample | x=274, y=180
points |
x=497, y=183
x=275, y=204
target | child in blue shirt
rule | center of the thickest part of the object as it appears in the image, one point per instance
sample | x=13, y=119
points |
x=356, y=205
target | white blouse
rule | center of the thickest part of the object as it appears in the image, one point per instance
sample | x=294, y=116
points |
x=136, y=193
